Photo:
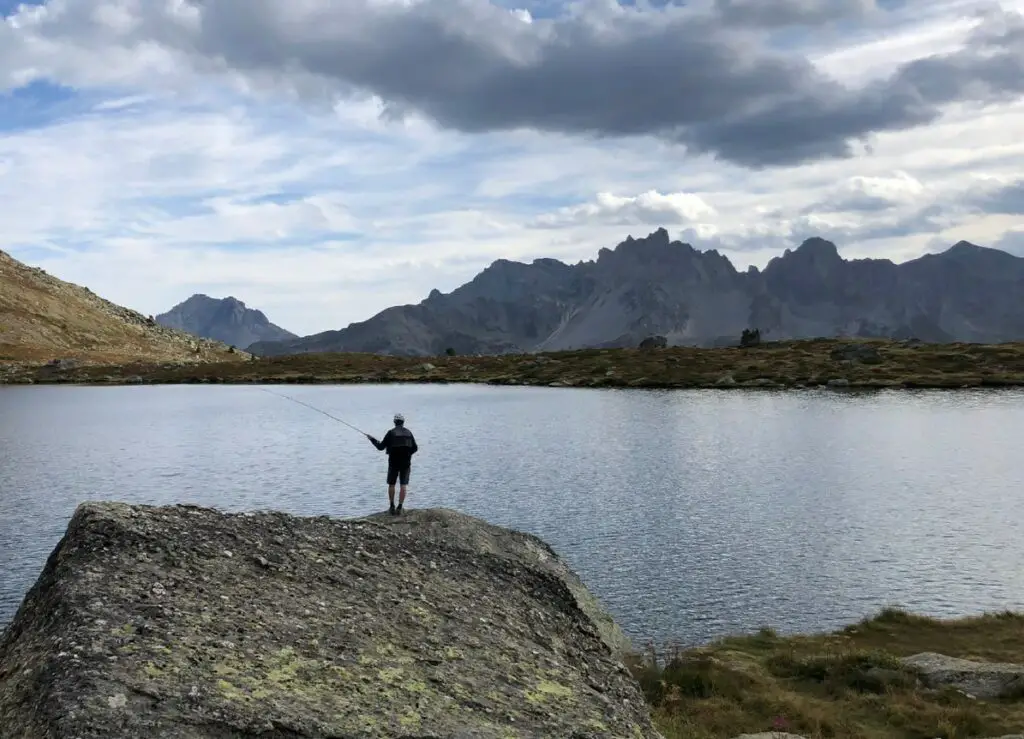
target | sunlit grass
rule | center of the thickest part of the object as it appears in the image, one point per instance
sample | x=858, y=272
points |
x=849, y=684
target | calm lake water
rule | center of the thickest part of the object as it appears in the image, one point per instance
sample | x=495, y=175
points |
x=689, y=513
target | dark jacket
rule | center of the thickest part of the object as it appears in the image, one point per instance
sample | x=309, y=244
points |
x=399, y=443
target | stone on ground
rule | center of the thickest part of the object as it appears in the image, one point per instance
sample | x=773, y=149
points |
x=985, y=680
x=188, y=622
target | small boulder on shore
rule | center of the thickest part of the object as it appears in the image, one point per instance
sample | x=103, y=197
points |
x=188, y=622
x=653, y=342
x=857, y=353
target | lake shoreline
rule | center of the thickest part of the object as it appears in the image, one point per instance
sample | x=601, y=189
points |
x=833, y=363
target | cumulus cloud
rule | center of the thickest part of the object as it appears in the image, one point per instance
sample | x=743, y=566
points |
x=324, y=160
x=600, y=70
x=870, y=194
x=650, y=208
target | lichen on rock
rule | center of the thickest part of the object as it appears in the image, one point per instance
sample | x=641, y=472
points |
x=188, y=622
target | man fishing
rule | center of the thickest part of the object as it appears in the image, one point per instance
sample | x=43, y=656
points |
x=400, y=445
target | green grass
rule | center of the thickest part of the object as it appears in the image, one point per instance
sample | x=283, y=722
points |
x=847, y=684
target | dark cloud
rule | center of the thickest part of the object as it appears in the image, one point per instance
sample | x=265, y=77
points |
x=1012, y=242
x=672, y=73
x=858, y=203
x=778, y=13
x=1008, y=200
x=681, y=74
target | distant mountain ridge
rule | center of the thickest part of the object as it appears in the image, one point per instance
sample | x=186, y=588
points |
x=653, y=285
x=224, y=319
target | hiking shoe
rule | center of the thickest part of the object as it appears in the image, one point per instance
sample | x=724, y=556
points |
x=391, y=509
x=398, y=511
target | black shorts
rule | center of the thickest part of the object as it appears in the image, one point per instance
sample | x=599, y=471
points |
x=398, y=471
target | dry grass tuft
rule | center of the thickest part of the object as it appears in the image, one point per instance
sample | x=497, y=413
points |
x=847, y=684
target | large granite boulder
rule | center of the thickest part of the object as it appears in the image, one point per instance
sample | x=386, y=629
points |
x=188, y=622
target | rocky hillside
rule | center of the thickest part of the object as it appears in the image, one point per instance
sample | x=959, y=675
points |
x=182, y=621
x=43, y=318
x=226, y=319
x=654, y=286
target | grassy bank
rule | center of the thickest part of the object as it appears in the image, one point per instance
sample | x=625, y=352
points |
x=877, y=364
x=848, y=684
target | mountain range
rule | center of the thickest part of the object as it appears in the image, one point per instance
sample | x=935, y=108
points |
x=225, y=319
x=655, y=286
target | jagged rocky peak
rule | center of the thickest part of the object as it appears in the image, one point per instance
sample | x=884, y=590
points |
x=816, y=253
x=655, y=248
x=202, y=301
x=818, y=248
x=223, y=319
x=659, y=237
x=549, y=263
x=656, y=256
x=506, y=280
x=505, y=268
x=968, y=250
x=978, y=257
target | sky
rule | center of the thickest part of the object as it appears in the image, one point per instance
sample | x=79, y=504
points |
x=322, y=160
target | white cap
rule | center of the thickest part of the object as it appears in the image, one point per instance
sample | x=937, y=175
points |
x=399, y=418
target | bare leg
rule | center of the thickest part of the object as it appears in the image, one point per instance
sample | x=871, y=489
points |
x=401, y=494
x=391, y=496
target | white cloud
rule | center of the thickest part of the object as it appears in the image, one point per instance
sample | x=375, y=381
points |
x=650, y=208
x=163, y=179
x=871, y=193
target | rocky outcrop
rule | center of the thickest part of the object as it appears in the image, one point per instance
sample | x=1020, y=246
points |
x=654, y=286
x=985, y=680
x=187, y=622
x=43, y=318
x=225, y=319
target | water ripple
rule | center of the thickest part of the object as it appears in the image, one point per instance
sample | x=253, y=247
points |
x=690, y=514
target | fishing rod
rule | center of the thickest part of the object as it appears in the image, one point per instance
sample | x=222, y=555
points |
x=295, y=400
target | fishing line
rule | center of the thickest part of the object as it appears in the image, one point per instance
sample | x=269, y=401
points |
x=294, y=400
